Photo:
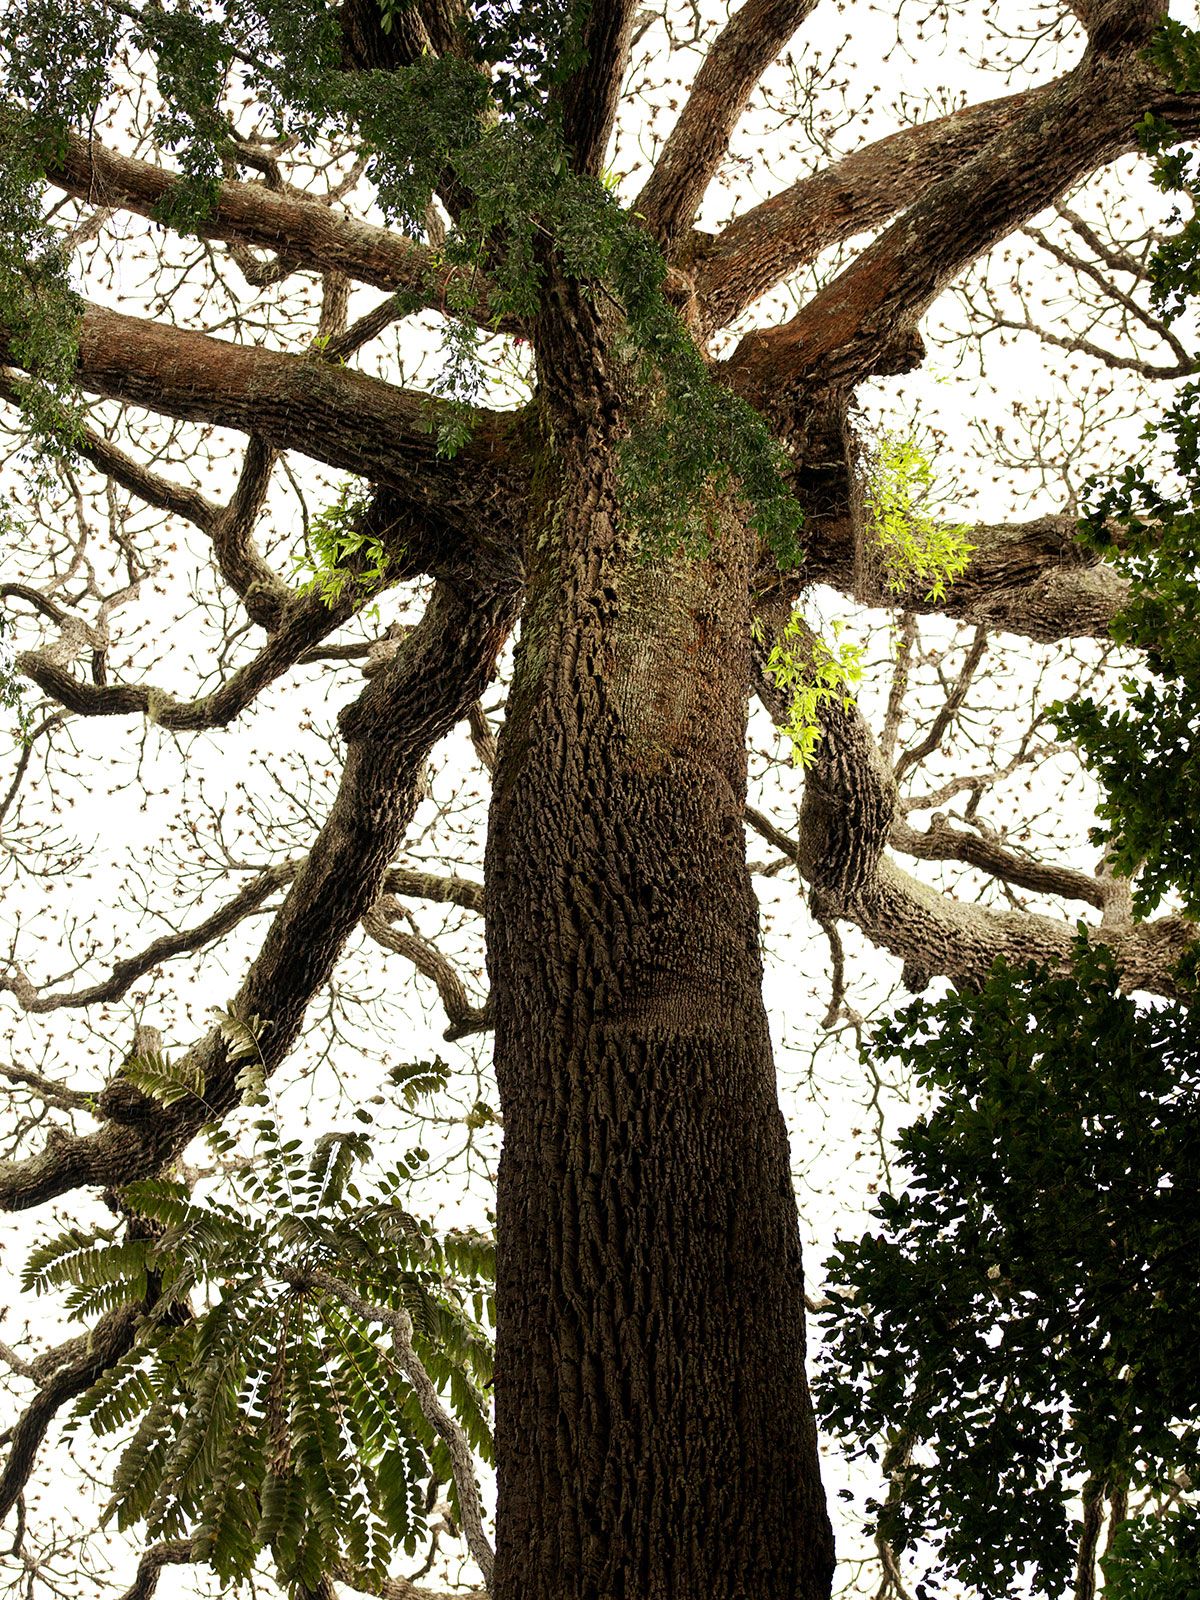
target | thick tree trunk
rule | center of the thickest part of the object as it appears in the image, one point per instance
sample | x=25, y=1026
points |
x=654, y=1435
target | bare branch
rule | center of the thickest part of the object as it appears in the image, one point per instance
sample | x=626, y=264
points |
x=126, y=973
x=744, y=49
x=865, y=321
x=463, y=1017
x=108, y=1342
x=444, y=664
x=949, y=709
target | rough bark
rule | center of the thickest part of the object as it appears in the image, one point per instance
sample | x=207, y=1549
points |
x=653, y=1431
x=746, y=46
x=865, y=321
x=350, y=421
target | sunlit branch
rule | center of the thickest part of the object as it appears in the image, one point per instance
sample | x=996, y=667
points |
x=865, y=321
x=344, y=418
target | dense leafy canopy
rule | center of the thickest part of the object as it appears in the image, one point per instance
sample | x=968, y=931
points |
x=1024, y=1319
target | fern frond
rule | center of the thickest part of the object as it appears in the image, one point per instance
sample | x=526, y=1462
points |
x=164, y=1080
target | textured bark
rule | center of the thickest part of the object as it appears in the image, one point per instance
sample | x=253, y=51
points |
x=350, y=421
x=654, y=1437
x=747, y=45
x=848, y=817
x=865, y=321
x=1033, y=578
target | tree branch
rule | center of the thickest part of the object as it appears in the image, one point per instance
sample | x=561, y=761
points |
x=849, y=813
x=443, y=665
x=126, y=973
x=344, y=418
x=862, y=190
x=311, y=235
x=463, y=1017
x=1030, y=578
x=865, y=321
x=308, y=619
x=744, y=49
x=589, y=98
x=90, y=1356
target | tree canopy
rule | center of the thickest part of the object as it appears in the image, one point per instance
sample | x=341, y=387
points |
x=340, y=347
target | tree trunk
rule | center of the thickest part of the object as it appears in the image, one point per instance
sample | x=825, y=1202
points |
x=654, y=1436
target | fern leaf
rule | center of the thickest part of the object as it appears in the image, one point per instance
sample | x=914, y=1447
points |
x=165, y=1081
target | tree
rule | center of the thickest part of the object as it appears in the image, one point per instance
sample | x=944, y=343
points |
x=640, y=513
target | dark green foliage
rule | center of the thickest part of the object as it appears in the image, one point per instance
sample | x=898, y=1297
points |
x=1024, y=1317
x=269, y=1415
x=1155, y=1558
x=12, y=689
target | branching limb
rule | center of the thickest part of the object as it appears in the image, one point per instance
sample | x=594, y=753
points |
x=310, y=235
x=170, y=1553
x=399, y=1324
x=943, y=842
x=1033, y=578
x=849, y=814
x=108, y=1341
x=861, y=191
x=444, y=664
x=127, y=972
x=308, y=619
x=429, y=886
x=865, y=321
x=744, y=49
x=344, y=418
x=463, y=1017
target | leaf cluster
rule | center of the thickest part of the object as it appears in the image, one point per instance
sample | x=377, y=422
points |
x=1023, y=1317
x=814, y=674
x=918, y=552
x=343, y=550
x=259, y=1412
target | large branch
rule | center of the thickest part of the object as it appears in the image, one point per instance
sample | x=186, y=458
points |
x=440, y=670
x=1035, y=578
x=307, y=620
x=346, y=419
x=848, y=816
x=309, y=235
x=860, y=192
x=590, y=95
x=865, y=321
x=743, y=51
x=88, y=1358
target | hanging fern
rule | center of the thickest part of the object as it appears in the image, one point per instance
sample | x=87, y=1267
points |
x=261, y=1411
